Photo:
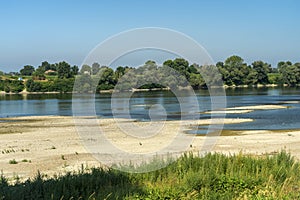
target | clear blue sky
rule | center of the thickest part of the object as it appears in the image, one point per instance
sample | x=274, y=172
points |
x=56, y=30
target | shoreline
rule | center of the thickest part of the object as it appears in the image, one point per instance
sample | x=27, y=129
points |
x=158, y=89
x=53, y=145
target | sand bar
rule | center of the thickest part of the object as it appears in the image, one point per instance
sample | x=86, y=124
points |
x=52, y=144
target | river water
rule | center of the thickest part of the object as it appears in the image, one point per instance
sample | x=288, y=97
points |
x=141, y=102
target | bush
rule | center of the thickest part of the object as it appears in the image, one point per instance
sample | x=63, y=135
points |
x=13, y=162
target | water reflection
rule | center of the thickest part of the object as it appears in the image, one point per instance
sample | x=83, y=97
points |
x=141, y=102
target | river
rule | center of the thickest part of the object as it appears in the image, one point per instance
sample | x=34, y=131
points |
x=141, y=102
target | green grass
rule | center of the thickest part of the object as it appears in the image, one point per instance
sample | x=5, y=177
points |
x=214, y=176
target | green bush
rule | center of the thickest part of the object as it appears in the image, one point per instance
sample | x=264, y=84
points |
x=13, y=162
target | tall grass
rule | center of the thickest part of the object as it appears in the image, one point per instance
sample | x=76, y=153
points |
x=214, y=176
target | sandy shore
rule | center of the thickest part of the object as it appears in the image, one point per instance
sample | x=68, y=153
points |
x=246, y=109
x=53, y=145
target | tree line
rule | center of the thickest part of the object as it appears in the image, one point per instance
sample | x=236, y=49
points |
x=60, y=77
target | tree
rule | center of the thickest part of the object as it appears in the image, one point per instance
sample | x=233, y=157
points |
x=106, y=80
x=74, y=70
x=32, y=86
x=38, y=75
x=180, y=65
x=193, y=69
x=95, y=68
x=13, y=86
x=196, y=81
x=64, y=70
x=120, y=71
x=290, y=73
x=85, y=69
x=27, y=70
x=234, y=71
x=262, y=70
x=44, y=67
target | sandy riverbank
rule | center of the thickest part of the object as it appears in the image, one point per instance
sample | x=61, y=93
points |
x=246, y=109
x=52, y=144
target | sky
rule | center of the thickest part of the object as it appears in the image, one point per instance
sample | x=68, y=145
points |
x=56, y=30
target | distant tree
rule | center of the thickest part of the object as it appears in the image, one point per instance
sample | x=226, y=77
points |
x=234, y=71
x=106, y=80
x=219, y=64
x=14, y=86
x=74, y=70
x=290, y=73
x=84, y=84
x=262, y=70
x=27, y=70
x=196, y=81
x=38, y=75
x=120, y=71
x=43, y=67
x=95, y=68
x=32, y=86
x=85, y=69
x=180, y=65
x=63, y=85
x=193, y=69
x=64, y=70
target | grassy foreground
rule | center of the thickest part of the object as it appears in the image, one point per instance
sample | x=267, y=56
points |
x=214, y=176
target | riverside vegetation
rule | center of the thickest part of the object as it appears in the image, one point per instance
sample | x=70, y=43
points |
x=60, y=77
x=213, y=176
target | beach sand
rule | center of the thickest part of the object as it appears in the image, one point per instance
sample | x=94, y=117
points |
x=55, y=144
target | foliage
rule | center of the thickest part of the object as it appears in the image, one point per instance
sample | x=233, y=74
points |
x=95, y=68
x=174, y=74
x=14, y=86
x=213, y=176
x=64, y=70
x=86, y=69
x=32, y=86
x=290, y=73
x=262, y=69
x=27, y=70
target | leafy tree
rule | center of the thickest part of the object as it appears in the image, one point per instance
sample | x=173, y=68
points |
x=85, y=69
x=44, y=67
x=107, y=79
x=95, y=68
x=193, y=69
x=27, y=70
x=120, y=71
x=290, y=73
x=275, y=78
x=63, y=85
x=74, y=70
x=196, y=81
x=262, y=70
x=234, y=71
x=64, y=70
x=33, y=86
x=14, y=86
x=84, y=84
x=38, y=75
x=180, y=65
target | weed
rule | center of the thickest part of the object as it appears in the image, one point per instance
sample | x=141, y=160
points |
x=13, y=161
